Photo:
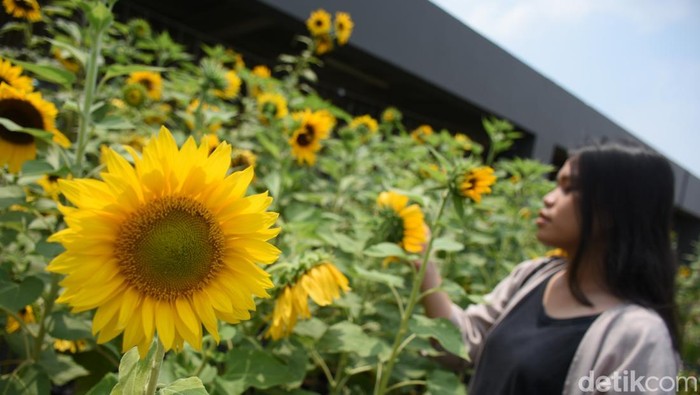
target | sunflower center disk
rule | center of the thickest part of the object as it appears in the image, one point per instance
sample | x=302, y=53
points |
x=305, y=139
x=170, y=248
x=23, y=114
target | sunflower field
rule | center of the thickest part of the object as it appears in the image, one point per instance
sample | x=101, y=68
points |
x=172, y=224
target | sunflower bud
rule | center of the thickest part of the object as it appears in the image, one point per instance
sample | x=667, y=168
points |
x=214, y=75
x=134, y=95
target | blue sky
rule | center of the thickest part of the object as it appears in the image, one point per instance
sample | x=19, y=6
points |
x=635, y=61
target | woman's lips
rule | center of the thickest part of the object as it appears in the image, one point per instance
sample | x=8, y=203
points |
x=541, y=219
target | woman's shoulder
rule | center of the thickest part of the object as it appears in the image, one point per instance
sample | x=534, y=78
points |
x=631, y=324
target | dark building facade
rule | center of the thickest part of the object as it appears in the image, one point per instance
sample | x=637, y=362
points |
x=413, y=55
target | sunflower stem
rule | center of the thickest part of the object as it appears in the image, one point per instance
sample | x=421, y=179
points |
x=156, y=363
x=48, y=308
x=199, y=117
x=384, y=375
x=88, y=97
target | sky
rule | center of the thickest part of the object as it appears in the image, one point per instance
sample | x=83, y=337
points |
x=635, y=61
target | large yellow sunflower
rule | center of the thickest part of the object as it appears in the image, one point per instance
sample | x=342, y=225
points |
x=343, y=27
x=165, y=246
x=476, y=182
x=232, y=88
x=271, y=105
x=322, y=283
x=25, y=9
x=306, y=140
x=153, y=82
x=28, y=110
x=12, y=76
x=403, y=224
x=319, y=22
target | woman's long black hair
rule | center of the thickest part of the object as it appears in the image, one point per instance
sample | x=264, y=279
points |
x=625, y=195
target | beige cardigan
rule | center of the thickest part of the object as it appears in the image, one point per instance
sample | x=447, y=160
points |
x=623, y=339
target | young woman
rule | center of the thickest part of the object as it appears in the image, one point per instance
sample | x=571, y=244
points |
x=602, y=318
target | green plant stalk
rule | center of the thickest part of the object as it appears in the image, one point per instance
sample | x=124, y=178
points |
x=339, y=382
x=199, y=117
x=385, y=375
x=156, y=363
x=48, y=308
x=90, y=85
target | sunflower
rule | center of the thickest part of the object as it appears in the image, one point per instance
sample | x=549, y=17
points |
x=420, y=133
x=475, y=182
x=365, y=122
x=271, y=105
x=157, y=115
x=343, y=27
x=402, y=224
x=73, y=346
x=26, y=315
x=322, y=283
x=232, y=88
x=150, y=80
x=211, y=140
x=49, y=183
x=261, y=71
x=391, y=115
x=165, y=246
x=243, y=158
x=12, y=76
x=306, y=140
x=684, y=271
x=319, y=22
x=25, y=9
x=323, y=44
x=464, y=141
x=134, y=95
x=28, y=110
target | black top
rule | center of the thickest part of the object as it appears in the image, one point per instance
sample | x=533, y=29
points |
x=529, y=352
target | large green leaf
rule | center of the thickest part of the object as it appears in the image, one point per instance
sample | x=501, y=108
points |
x=446, y=244
x=348, y=337
x=256, y=368
x=63, y=325
x=442, y=330
x=188, y=386
x=61, y=368
x=14, y=296
x=49, y=73
x=383, y=250
x=445, y=383
x=30, y=380
x=134, y=372
x=105, y=385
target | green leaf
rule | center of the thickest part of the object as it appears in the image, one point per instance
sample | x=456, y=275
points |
x=188, y=386
x=222, y=386
x=48, y=249
x=15, y=296
x=49, y=73
x=268, y=144
x=379, y=277
x=256, y=368
x=31, y=380
x=445, y=244
x=105, y=385
x=11, y=195
x=442, y=330
x=383, y=250
x=63, y=325
x=348, y=337
x=114, y=123
x=61, y=368
x=445, y=383
x=81, y=56
x=36, y=167
x=14, y=128
x=134, y=372
x=313, y=328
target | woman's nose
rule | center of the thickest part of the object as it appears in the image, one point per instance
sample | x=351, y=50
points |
x=548, y=199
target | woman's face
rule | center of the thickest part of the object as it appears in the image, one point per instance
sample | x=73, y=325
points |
x=558, y=224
